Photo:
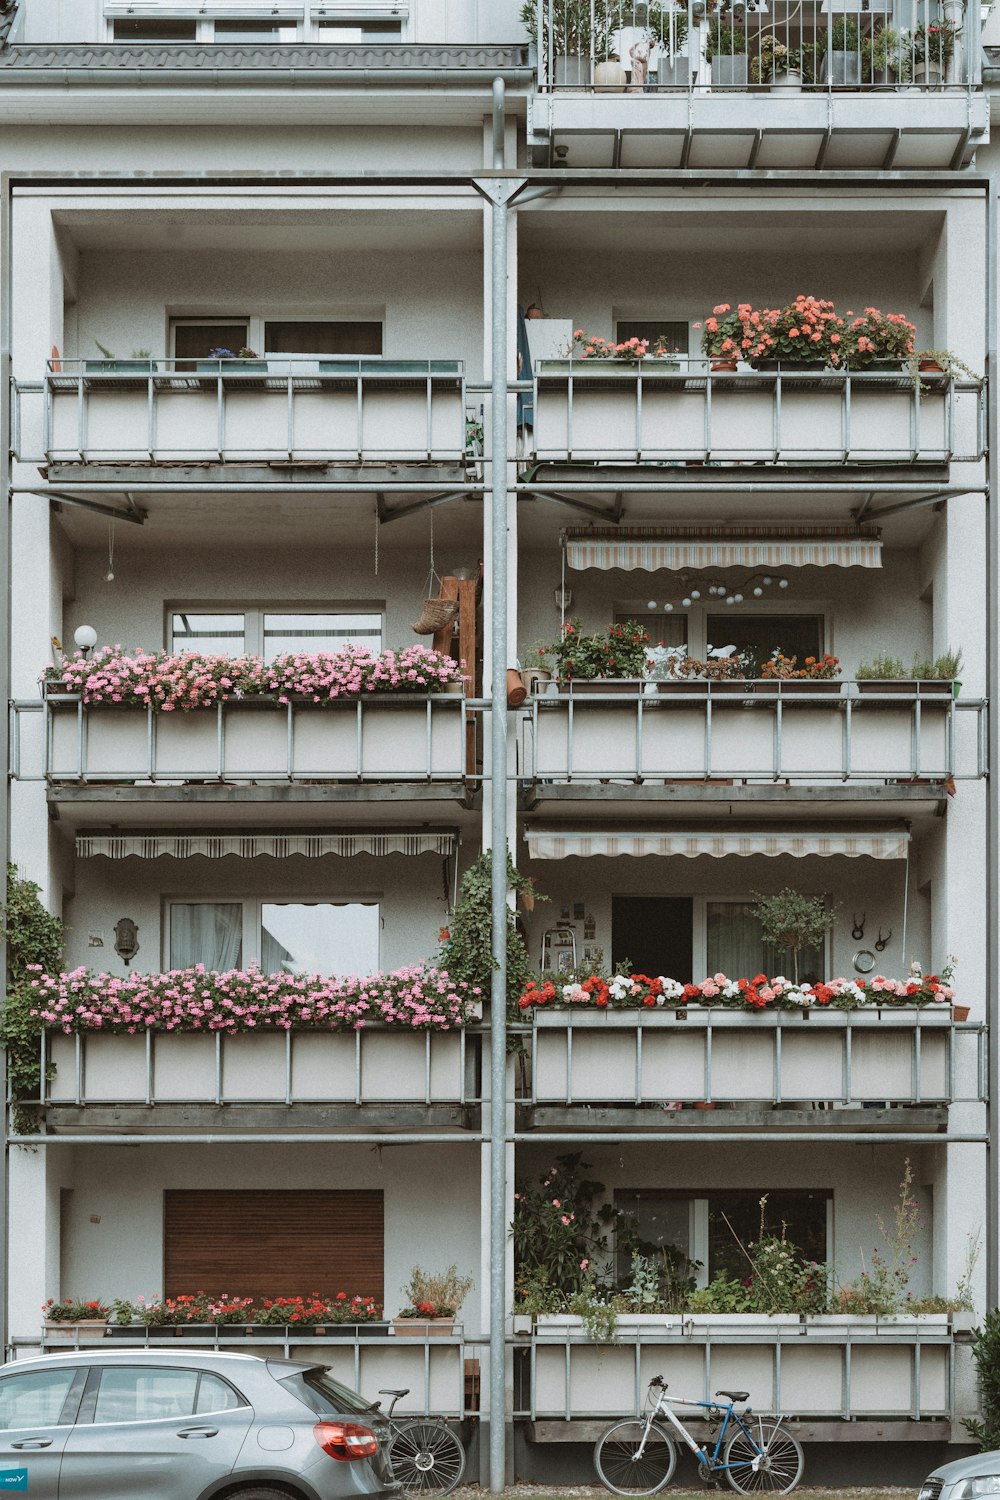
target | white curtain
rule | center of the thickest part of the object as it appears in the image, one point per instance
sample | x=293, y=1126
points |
x=735, y=946
x=206, y=933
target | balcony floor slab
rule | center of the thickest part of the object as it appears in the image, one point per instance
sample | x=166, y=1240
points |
x=722, y=798
x=754, y=1119
x=807, y=1432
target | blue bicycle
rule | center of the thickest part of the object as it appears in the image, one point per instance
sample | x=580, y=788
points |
x=756, y=1454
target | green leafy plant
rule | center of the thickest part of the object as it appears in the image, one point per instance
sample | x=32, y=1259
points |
x=572, y=27
x=435, y=1294
x=845, y=34
x=562, y=1227
x=945, y=667
x=597, y=1312
x=948, y=364
x=985, y=1429
x=793, y=921
x=668, y=26
x=33, y=936
x=725, y=39
x=75, y=1310
x=886, y=51
x=467, y=942
x=619, y=652
x=773, y=60
x=935, y=43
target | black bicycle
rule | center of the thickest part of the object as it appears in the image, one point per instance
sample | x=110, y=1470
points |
x=427, y=1458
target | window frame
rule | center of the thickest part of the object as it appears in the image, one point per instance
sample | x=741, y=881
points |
x=70, y=1409
x=699, y=922
x=699, y=610
x=250, y=937
x=254, y=613
x=256, y=320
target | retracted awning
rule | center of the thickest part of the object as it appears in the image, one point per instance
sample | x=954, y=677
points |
x=278, y=846
x=651, y=548
x=689, y=843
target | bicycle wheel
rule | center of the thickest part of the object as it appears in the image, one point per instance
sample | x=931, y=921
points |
x=765, y=1459
x=619, y=1466
x=427, y=1458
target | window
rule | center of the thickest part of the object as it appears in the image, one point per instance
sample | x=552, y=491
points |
x=274, y=1243
x=734, y=946
x=270, y=634
x=149, y=30
x=312, y=336
x=284, y=937
x=663, y=629
x=674, y=335
x=145, y=1394
x=359, y=29
x=195, y=338
x=255, y=31
x=41, y=1399
x=759, y=636
x=704, y=1233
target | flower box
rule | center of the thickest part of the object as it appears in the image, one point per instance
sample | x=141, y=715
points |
x=730, y=70
x=423, y=1328
x=933, y=687
x=73, y=1330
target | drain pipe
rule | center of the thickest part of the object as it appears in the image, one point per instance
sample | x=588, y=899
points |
x=993, y=756
x=498, y=805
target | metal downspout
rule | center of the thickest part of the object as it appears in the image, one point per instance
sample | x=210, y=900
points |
x=6, y=317
x=993, y=757
x=498, y=832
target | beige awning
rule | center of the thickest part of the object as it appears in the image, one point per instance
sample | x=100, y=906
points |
x=249, y=846
x=688, y=844
x=651, y=548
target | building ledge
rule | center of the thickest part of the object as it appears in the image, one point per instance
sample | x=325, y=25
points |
x=873, y=1431
x=235, y=1120
x=888, y=799
x=215, y=63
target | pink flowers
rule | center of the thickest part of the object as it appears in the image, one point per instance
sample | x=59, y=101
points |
x=414, y=998
x=166, y=681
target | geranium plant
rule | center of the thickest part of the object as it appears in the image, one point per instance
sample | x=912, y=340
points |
x=876, y=338
x=75, y=1310
x=435, y=1294
x=934, y=43
x=617, y=653
x=807, y=329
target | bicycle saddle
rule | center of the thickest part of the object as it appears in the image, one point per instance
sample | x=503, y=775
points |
x=395, y=1393
x=735, y=1395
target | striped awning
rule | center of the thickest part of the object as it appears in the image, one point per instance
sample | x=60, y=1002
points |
x=688, y=844
x=651, y=548
x=250, y=846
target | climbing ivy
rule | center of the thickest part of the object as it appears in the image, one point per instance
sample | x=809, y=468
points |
x=33, y=936
x=467, y=942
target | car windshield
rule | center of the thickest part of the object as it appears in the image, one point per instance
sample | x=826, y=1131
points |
x=319, y=1391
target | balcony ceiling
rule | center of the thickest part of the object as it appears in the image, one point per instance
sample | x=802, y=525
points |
x=407, y=226
x=269, y=809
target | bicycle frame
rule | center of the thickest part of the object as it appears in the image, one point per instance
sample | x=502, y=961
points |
x=708, y=1456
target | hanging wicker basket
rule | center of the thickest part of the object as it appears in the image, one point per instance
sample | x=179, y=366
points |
x=434, y=616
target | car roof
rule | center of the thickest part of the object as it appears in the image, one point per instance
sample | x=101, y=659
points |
x=968, y=1468
x=130, y=1356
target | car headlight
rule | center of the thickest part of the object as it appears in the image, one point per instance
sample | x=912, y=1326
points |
x=971, y=1489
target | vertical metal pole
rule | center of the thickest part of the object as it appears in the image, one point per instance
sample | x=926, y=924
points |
x=6, y=318
x=993, y=747
x=498, y=832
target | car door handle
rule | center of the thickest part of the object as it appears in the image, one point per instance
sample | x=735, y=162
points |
x=198, y=1432
x=33, y=1443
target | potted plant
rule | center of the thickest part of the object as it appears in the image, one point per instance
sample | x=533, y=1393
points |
x=722, y=337
x=726, y=52
x=536, y=667
x=618, y=655
x=109, y=364
x=841, y=65
x=789, y=920
x=933, y=46
x=886, y=55
x=877, y=339
x=934, y=676
x=936, y=362
x=74, y=1316
x=815, y=676
x=777, y=65
x=668, y=28
x=433, y=1301
x=232, y=362
x=573, y=31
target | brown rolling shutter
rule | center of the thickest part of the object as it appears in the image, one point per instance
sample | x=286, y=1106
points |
x=273, y=1244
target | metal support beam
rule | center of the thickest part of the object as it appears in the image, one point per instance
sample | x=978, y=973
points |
x=6, y=446
x=132, y=512
x=992, y=997
x=385, y=515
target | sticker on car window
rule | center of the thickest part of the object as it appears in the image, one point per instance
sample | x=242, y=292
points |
x=13, y=1479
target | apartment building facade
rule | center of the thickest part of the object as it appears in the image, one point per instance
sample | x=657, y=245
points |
x=274, y=378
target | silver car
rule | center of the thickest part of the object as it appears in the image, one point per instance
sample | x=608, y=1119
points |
x=965, y=1479
x=186, y=1426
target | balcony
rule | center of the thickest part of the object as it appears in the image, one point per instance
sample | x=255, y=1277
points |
x=292, y=409
x=377, y=739
x=683, y=413
x=612, y=1067
x=378, y=1078
x=856, y=734
x=813, y=86
x=820, y=1368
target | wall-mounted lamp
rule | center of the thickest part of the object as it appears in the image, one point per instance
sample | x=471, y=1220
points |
x=126, y=940
x=85, y=637
x=563, y=598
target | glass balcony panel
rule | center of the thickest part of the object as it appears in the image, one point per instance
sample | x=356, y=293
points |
x=319, y=939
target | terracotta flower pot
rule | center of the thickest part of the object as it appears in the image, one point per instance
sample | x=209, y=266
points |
x=516, y=690
x=959, y=1012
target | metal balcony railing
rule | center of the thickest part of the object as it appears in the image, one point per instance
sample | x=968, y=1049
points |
x=679, y=410
x=287, y=407
x=381, y=738
x=843, y=1059
x=638, y=46
x=798, y=732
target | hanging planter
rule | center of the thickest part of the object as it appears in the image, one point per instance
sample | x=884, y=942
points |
x=435, y=614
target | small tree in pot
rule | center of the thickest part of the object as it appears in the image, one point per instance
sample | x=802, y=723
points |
x=792, y=921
